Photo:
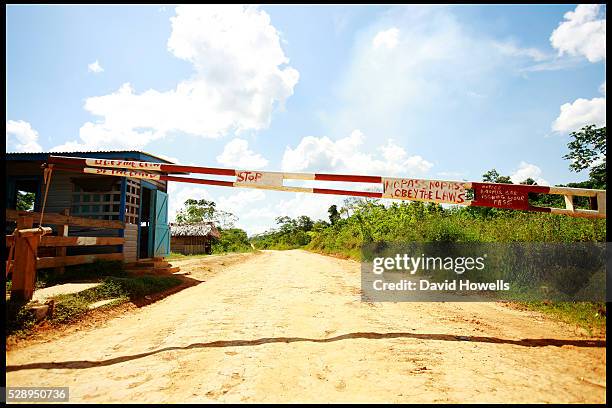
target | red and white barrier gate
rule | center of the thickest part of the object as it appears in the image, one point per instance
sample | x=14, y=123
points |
x=508, y=196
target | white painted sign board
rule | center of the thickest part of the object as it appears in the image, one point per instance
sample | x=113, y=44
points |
x=437, y=191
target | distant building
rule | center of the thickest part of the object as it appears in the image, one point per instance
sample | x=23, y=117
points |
x=194, y=238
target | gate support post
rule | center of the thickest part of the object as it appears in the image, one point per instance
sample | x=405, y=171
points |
x=62, y=231
x=24, y=269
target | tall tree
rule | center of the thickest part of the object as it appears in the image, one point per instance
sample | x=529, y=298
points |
x=334, y=215
x=529, y=181
x=588, y=151
x=305, y=223
x=205, y=211
x=492, y=176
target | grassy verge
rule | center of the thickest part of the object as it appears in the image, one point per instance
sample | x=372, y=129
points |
x=71, y=307
x=346, y=253
x=279, y=247
x=174, y=256
x=590, y=316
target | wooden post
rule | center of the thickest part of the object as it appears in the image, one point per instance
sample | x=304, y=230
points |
x=62, y=231
x=601, y=203
x=24, y=270
x=569, y=202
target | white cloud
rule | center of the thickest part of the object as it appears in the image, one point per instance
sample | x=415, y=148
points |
x=237, y=202
x=320, y=154
x=436, y=61
x=246, y=204
x=582, y=112
x=169, y=158
x=313, y=205
x=512, y=49
x=236, y=153
x=452, y=175
x=583, y=33
x=527, y=170
x=21, y=137
x=178, y=193
x=554, y=64
x=388, y=38
x=95, y=67
x=240, y=76
x=579, y=113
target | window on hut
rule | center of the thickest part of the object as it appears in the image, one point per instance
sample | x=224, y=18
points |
x=96, y=197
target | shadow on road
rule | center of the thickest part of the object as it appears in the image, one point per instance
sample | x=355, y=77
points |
x=80, y=364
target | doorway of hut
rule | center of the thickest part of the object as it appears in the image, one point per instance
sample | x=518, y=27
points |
x=146, y=226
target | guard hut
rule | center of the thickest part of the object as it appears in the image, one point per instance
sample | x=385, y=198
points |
x=193, y=238
x=141, y=204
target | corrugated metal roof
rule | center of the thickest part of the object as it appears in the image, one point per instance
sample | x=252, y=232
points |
x=82, y=151
x=87, y=152
x=200, y=229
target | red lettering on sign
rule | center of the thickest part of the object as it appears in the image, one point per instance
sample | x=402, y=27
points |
x=427, y=190
x=249, y=177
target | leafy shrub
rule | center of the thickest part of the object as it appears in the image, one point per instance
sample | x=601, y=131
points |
x=232, y=240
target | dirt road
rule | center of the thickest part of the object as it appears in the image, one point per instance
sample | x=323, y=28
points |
x=290, y=327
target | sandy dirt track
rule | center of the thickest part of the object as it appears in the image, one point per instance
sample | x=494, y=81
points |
x=289, y=326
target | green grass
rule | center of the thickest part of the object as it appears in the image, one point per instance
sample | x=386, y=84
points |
x=175, y=256
x=71, y=307
x=590, y=316
x=414, y=222
x=280, y=246
x=234, y=250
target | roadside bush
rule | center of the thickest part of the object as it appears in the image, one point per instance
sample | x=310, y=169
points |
x=232, y=240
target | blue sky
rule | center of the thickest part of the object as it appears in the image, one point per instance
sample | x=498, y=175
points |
x=433, y=92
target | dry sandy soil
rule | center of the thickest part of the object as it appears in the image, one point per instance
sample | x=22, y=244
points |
x=290, y=327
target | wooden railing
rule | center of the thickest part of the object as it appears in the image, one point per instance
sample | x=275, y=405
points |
x=64, y=219
x=26, y=259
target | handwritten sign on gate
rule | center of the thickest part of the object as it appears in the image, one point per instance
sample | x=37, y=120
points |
x=123, y=164
x=503, y=195
x=258, y=178
x=438, y=191
x=122, y=173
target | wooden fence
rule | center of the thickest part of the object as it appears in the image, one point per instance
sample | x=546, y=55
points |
x=26, y=240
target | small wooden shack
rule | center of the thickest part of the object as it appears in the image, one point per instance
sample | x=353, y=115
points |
x=141, y=204
x=193, y=238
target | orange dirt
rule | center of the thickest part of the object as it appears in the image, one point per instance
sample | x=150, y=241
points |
x=289, y=326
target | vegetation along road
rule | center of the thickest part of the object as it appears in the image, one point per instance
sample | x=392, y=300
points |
x=289, y=326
